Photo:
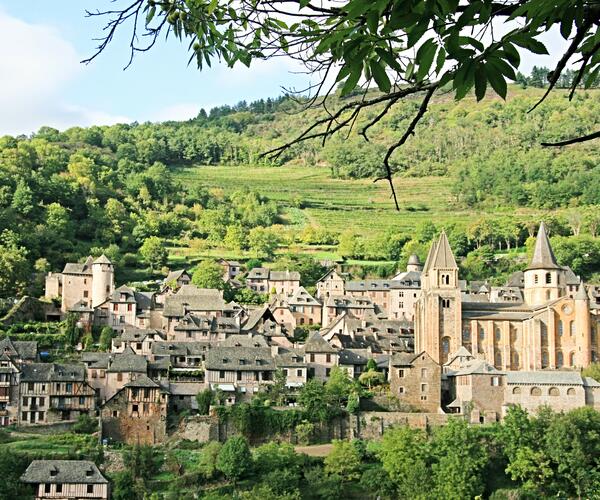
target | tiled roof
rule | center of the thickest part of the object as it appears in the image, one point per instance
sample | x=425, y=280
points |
x=192, y=298
x=354, y=356
x=244, y=341
x=178, y=348
x=76, y=268
x=127, y=362
x=142, y=381
x=315, y=343
x=52, y=372
x=544, y=378
x=24, y=349
x=63, y=471
x=543, y=256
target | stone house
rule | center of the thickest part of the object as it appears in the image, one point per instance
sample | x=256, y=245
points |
x=9, y=391
x=19, y=351
x=240, y=369
x=177, y=279
x=354, y=361
x=62, y=479
x=561, y=390
x=298, y=309
x=320, y=357
x=331, y=283
x=107, y=373
x=186, y=359
x=231, y=269
x=52, y=392
x=415, y=379
x=293, y=365
x=191, y=299
x=359, y=307
x=477, y=389
x=139, y=340
x=126, y=308
x=207, y=329
x=137, y=413
x=88, y=283
x=264, y=280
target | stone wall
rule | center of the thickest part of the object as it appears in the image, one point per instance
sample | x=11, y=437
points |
x=367, y=425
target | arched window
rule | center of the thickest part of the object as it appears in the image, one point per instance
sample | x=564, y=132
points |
x=559, y=359
x=498, y=359
x=515, y=358
x=498, y=334
x=570, y=391
x=481, y=333
x=548, y=278
x=536, y=391
x=466, y=332
x=571, y=328
x=560, y=327
x=571, y=359
x=516, y=390
x=544, y=359
x=445, y=345
x=553, y=391
x=544, y=333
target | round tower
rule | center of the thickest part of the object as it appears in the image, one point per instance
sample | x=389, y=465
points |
x=583, y=328
x=414, y=264
x=102, y=280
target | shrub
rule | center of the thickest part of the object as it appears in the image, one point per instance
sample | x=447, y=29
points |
x=235, y=459
x=85, y=424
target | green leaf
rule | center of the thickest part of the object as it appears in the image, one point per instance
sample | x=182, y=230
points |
x=344, y=72
x=380, y=76
x=373, y=21
x=531, y=44
x=497, y=81
x=424, y=57
x=150, y=14
x=480, y=82
x=441, y=59
x=212, y=6
x=352, y=80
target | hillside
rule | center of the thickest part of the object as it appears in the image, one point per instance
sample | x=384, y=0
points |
x=177, y=192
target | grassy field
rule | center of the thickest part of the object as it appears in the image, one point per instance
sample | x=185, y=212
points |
x=337, y=204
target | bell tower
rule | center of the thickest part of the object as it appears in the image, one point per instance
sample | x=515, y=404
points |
x=438, y=309
x=544, y=278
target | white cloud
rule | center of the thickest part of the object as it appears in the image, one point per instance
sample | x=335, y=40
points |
x=36, y=64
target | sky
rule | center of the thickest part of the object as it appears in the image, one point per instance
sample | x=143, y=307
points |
x=43, y=82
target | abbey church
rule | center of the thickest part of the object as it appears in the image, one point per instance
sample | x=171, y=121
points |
x=544, y=318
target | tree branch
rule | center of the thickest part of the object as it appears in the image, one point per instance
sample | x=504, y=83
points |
x=575, y=140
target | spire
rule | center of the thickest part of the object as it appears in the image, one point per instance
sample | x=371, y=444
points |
x=581, y=293
x=543, y=256
x=442, y=257
x=428, y=260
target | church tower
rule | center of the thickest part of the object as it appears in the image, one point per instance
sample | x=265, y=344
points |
x=583, y=328
x=544, y=278
x=438, y=309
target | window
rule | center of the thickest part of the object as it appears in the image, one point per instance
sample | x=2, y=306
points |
x=327, y=371
x=424, y=387
x=221, y=373
x=571, y=328
x=536, y=391
x=115, y=413
x=24, y=401
x=94, y=374
x=119, y=377
x=130, y=307
x=138, y=346
x=47, y=488
x=239, y=375
x=400, y=373
x=121, y=319
x=445, y=345
x=328, y=358
x=423, y=398
x=559, y=359
x=85, y=294
x=115, y=307
x=90, y=488
x=312, y=358
x=553, y=391
x=400, y=390
x=134, y=408
x=516, y=390
x=423, y=372
x=30, y=386
x=81, y=400
x=560, y=328
x=69, y=387
x=495, y=381
x=548, y=278
x=570, y=391
x=536, y=279
x=298, y=373
x=544, y=359
x=498, y=334
x=59, y=488
x=572, y=359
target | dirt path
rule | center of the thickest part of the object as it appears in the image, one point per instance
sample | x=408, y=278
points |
x=316, y=450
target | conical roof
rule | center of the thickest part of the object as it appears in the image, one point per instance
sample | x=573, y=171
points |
x=442, y=256
x=414, y=260
x=543, y=256
x=428, y=260
x=103, y=259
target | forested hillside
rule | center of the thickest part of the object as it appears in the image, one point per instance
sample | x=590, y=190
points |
x=118, y=190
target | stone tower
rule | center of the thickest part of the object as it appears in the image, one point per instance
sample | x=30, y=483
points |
x=438, y=309
x=544, y=278
x=583, y=328
x=103, y=280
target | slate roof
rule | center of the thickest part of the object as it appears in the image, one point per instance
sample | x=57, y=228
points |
x=581, y=293
x=192, y=298
x=354, y=356
x=240, y=359
x=315, y=343
x=24, y=349
x=76, y=268
x=139, y=334
x=65, y=471
x=244, y=341
x=403, y=358
x=289, y=358
x=477, y=367
x=103, y=259
x=301, y=297
x=178, y=348
x=265, y=273
x=142, y=381
x=442, y=256
x=543, y=256
x=590, y=382
x=175, y=275
x=127, y=361
x=554, y=377
x=349, y=301
x=255, y=315
x=413, y=260
x=52, y=372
